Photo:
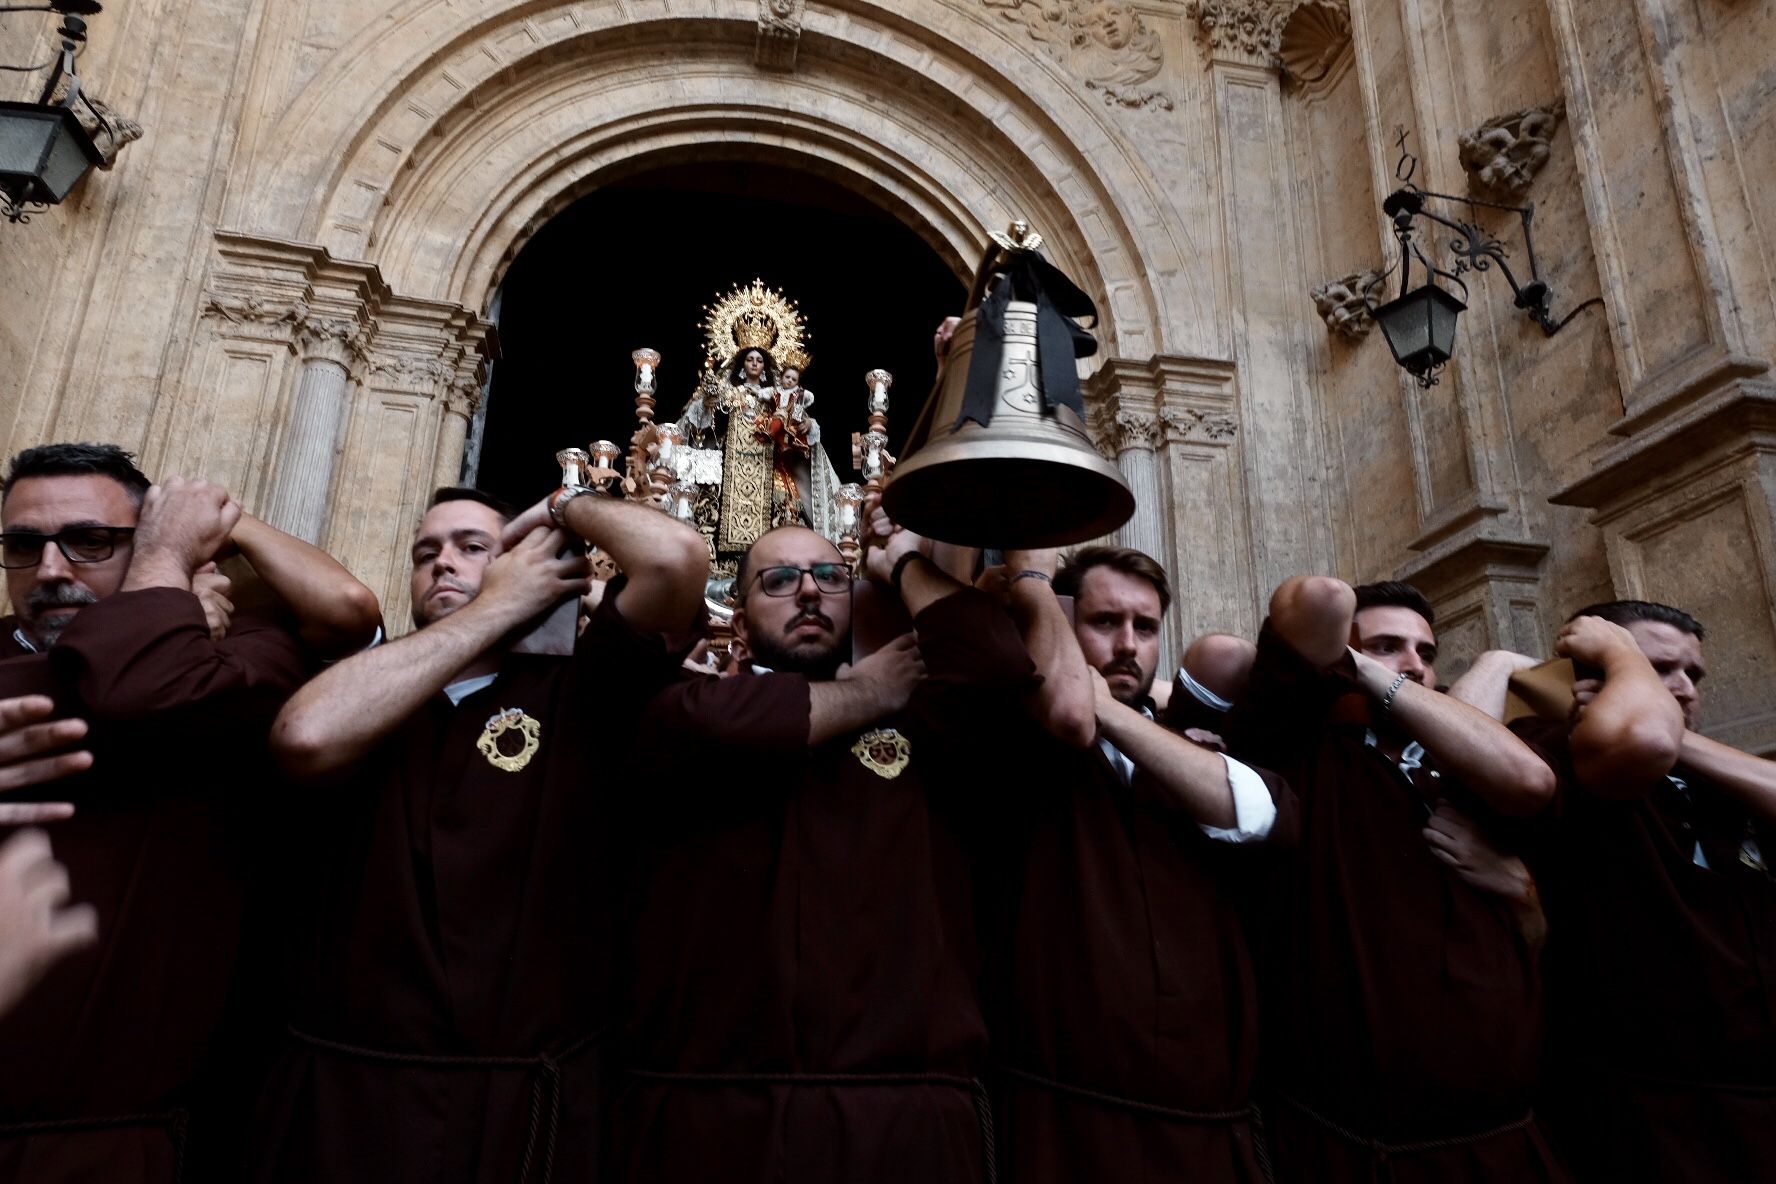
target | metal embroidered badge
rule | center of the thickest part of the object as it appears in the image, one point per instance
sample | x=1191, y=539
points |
x=884, y=752
x=510, y=719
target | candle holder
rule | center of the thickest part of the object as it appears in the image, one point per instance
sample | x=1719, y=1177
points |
x=848, y=510
x=573, y=462
x=681, y=502
x=606, y=455
x=878, y=381
x=647, y=365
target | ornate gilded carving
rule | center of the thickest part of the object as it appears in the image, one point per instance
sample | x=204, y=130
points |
x=1250, y=30
x=1104, y=42
x=1347, y=304
x=1503, y=155
x=779, y=34
x=1312, y=37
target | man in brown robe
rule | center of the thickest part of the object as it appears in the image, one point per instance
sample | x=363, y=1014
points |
x=1402, y=1029
x=1129, y=1032
x=803, y=996
x=445, y=1020
x=100, y=1065
x=1662, y=916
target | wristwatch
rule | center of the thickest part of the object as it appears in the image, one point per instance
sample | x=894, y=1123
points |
x=559, y=499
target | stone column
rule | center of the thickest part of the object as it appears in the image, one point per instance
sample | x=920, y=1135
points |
x=1169, y=424
x=1281, y=437
x=453, y=434
x=298, y=497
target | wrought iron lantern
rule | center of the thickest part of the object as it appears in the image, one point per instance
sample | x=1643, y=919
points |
x=1420, y=323
x=44, y=149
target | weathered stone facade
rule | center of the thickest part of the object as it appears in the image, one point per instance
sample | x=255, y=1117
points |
x=286, y=284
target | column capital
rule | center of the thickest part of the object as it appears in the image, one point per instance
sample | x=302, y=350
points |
x=1248, y=32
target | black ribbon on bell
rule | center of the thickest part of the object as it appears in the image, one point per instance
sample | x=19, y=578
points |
x=1025, y=275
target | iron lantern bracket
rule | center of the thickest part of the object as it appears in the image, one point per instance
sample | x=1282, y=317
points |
x=1476, y=249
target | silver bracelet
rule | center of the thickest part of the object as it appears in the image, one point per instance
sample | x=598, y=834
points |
x=1030, y=573
x=1387, y=700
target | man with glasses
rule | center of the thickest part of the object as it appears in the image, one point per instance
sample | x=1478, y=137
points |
x=802, y=997
x=445, y=1016
x=100, y=1065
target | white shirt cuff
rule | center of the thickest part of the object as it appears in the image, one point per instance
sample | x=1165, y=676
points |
x=1254, y=812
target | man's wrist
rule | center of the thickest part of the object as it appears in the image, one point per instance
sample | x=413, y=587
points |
x=157, y=569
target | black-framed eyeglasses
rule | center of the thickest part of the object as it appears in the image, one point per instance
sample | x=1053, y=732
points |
x=783, y=581
x=78, y=544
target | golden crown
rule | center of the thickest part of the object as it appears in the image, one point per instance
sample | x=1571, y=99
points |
x=754, y=330
x=795, y=357
x=752, y=316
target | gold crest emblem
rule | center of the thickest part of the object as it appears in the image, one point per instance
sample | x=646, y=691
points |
x=884, y=752
x=530, y=738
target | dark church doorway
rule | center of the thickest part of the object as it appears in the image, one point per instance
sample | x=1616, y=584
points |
x=633, y=263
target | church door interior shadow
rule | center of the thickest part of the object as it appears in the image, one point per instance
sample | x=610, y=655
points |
x=634, y=263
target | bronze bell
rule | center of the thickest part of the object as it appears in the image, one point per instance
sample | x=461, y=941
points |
x=1028, y=478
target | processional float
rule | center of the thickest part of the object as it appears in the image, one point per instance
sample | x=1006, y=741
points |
x=1001, y=438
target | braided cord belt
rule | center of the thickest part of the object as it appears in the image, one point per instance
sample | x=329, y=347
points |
x=977, y=1093
x=1248, y=1113
x=544, y=1070
x=1387, y=1152
x=173, y=1122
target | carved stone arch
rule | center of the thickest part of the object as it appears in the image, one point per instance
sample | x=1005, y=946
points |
x=1031, y=146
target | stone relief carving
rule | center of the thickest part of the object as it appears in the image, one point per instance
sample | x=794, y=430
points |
x=110, y=131
x=1503, y=155
x=240, y=310
x=1188, y=423
x=415, y=370
x=1250, y=29
x=1348, y=304
x=1104, y=42
x=779, y=34
x=1312, y=37
x=1136, y=429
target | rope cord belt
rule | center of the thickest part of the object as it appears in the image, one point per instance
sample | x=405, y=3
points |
x=545, y=1087
x=1248, y=1113
x=1388, y=1151
x=173, y=1122
x=977, y=1093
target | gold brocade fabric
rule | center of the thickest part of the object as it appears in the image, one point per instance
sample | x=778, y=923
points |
x=747, y=482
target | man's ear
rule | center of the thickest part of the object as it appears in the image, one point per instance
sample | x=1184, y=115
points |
x=739, y=624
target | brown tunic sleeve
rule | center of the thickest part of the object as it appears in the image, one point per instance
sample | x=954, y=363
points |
x=748, y=713
x=1278, y=719
x=136, y=654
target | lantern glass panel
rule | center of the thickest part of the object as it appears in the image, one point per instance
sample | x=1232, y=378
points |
x=44, y=152
x=1420, y=326
x=25, y=135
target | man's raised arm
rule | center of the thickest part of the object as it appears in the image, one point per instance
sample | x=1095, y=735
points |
x=345, y=711
x=666, y=562
x=335, y=613
x=1627, y=737
x=1313, y=615
x=1503, y=770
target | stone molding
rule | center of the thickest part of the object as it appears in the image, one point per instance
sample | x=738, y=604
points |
x=1106, y=44
x=1503, y=155
x=779, y=34
x=1348, y=304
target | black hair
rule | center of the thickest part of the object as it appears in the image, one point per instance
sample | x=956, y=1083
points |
x=737, y=368
x=78, y=460
x=1395, y=594
x=1624, y=611
x=1127, y=560
x=464, y=493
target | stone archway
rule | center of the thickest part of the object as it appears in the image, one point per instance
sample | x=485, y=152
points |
x=351, y=315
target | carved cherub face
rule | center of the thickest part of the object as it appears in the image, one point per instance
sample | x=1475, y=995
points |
x=1110, y=23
